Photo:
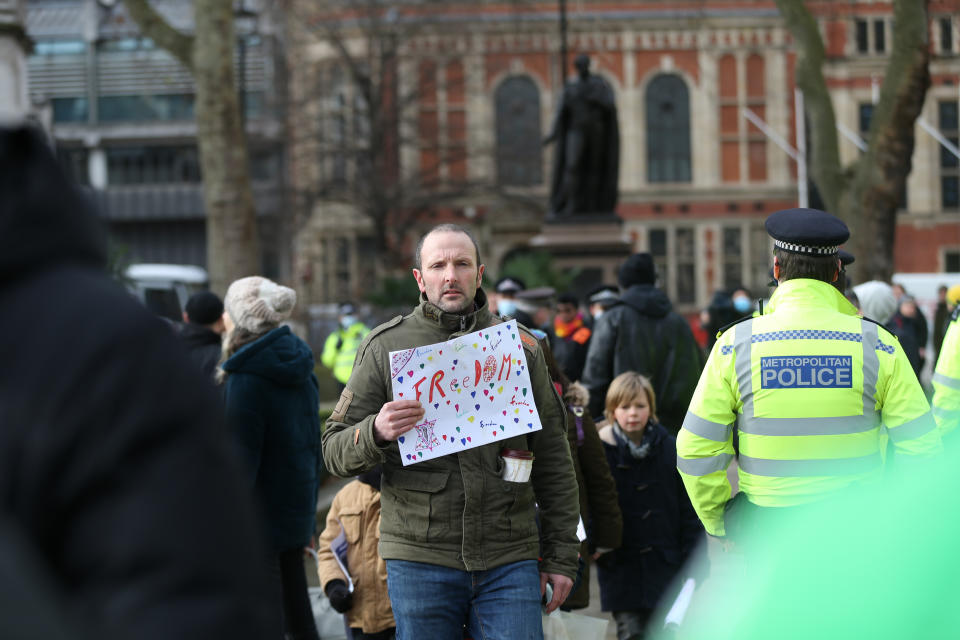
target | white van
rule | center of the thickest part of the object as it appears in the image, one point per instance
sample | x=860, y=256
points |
x=165, y=288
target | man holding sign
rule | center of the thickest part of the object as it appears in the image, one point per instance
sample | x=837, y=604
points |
x=452, y=401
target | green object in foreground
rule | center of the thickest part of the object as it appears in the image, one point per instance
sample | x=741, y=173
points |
x=882, y=561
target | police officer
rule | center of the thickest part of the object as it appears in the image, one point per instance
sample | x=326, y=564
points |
x=946, y=379
x=843, y=282
x=809, y=386
x=341, y=346
x=505, y=291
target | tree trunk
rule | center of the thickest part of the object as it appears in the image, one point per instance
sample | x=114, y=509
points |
x=232, y=245
x=875, y=193
x=867, y=194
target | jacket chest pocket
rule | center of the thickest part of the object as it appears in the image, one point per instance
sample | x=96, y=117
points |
x=351, y=521
x=418, y=509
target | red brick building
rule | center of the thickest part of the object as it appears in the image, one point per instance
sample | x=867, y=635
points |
x=473, y=87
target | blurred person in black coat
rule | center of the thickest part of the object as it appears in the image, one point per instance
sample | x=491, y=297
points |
x=202, y=330
x=114, y=463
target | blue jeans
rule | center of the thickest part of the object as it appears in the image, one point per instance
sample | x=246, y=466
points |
x=430, y=601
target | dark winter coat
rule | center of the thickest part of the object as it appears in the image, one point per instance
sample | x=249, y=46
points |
x=203, y=345
x=570, y=351
x=660, y=527
x=273, y=406
x=599, y=505
x=114, y=463
x=642, y=333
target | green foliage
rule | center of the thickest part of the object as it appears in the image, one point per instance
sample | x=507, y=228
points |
x=395, y=291
x=325, y=413
x=118, y=259
x=536, y=269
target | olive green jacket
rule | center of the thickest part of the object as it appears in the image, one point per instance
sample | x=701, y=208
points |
x=456, y=511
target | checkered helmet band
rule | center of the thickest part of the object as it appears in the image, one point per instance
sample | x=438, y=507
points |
x=799, y=248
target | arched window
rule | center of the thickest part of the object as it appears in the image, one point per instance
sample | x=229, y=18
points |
x=668, y=130
x=517, y=103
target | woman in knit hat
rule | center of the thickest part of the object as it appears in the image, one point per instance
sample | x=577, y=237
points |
x=272, y=405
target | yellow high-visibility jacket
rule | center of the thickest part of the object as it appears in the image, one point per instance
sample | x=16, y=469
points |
x=340, y=350
x=946, y=379
x=809, y=386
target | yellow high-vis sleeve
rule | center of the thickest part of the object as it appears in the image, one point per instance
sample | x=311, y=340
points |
x=705, y=441
x=946, y=381
x=903, y=405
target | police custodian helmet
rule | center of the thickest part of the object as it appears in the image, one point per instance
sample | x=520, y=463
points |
x=807, y=231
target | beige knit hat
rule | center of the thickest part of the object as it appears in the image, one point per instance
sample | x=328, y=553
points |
x=258, y=304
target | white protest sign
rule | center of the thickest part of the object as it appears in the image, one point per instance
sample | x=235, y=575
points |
x=475, y=389
x=339, y=546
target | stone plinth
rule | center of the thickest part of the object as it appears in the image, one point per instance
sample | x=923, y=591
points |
x=596, y=245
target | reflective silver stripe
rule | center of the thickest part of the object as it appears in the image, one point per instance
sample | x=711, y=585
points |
x=946, y=414
x=706, y=429
x=806, y=468
x=913, y=429
x=871, y=367
x=743, y=367
x=946, y=381
x=703, y=466
x=808, y=426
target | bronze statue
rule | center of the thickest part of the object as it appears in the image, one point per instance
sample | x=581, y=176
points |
x=587, y=157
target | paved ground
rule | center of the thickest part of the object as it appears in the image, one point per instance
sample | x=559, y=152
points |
x=594, y=608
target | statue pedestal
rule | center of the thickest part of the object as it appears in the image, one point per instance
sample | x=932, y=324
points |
x=595, y=244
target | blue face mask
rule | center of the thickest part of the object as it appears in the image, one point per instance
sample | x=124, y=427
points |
x=742, y=304
x=347, y=321
x=506, y=307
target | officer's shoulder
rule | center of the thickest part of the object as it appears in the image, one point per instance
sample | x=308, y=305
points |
x=956, y=314
x=882, y=329
x=883, y=332
x=876, y=322
x=730, y=325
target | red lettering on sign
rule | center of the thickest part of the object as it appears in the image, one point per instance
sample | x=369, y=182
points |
x=416, y=387
x=435, y=382
x=479, y=370
x=507, y=360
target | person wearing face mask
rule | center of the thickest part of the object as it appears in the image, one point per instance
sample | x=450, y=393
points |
x=602, y=298
x=505, y=294
x=341, y=346
x=742, y=302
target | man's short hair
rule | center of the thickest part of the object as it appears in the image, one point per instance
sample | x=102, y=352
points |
x=803, y=265
x=204, y=307
x=568, y=298
x=447, y=227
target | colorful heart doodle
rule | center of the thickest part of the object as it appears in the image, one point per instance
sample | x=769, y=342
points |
x=438, y=372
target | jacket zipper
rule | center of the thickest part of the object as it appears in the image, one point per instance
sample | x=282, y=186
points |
x=463, y=323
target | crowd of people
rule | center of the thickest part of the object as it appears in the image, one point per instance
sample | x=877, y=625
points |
x=160, y=483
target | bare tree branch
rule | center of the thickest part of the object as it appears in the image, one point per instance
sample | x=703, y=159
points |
x=879, y=181
x=867, y=194
x=154, y=26
x=825, y=167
